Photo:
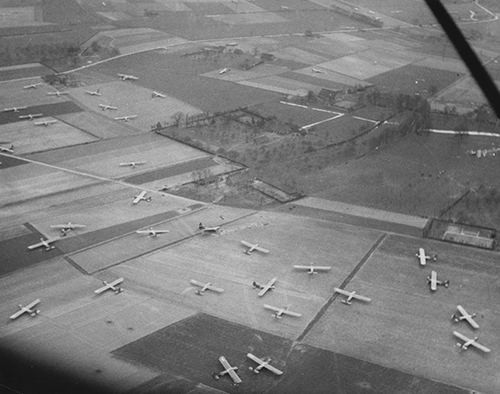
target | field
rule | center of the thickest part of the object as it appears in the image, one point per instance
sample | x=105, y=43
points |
x=193, y=26
x=299, y=55
x=464, y=95
x=293, y=114
x=414, y=79
x=284, y=86
x=98, y=125
x=419, y=323
x=171, y=73
x=198, y=349
x=325, y=78
x=160, y=310
x=89, y=176
x=37, y=113
x=160, y=334
x=417, y=12
x=419, y=175
x=479, y=207
x=385, y=59
x=27, y=137
x=103, y=158
x=17, y=16
x=64, y=12
x=134, y=40
x=131, y=99
x=64, y=335
x=30, y=70
x=205, y=259
x=16, y=95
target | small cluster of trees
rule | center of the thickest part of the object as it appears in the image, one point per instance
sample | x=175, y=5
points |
x=204, y=177
x=60, y=79
x=96, y=49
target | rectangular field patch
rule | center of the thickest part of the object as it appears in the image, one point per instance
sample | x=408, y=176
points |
x=23, y=71
x=331, y=76
x=299, y=55
x=248, y=19
x=16, y=16
x=355, y=67
x=281, y=85
x=28, y=138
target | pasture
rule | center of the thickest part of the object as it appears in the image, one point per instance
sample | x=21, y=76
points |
x=418, y=175
x=464, y=95
x=23, y=71
x=135, y=39
x=27, y=137
x=18, y=16
x=404, y=317
x=103, y=158
x=14, y=94
x=125, y=244
x=417, y=12
x=219, y=259
x=414, y=79
x=97, y=125
x=159, y=331
x=131, y=99
x=326, y=78
x=284, y=86
x=335, y=46
x=240, y=23
x=75, y=329
x=181, y=77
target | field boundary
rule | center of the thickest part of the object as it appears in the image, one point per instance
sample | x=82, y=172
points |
x=345, y=282
x=372, y=218
x=175, y=242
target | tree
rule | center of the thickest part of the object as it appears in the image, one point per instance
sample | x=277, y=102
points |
x=176, y=118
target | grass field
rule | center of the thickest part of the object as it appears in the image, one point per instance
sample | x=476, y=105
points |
x=157, y=294
x=464, y=94
x=420, y=320
x=134, y=40
x=13, y=72
x=355, y=67
x=292, y=114
x=159, y=335
x=297, y=54
x=104, y=157
x=206, y=258
x=480, y=207
x=30, y=181
x=235, y=75
x=15, y=95
x=194, y=26
x=284, y=86
x=60, y=332
x=18, y=16
x=336, y=46
x=131, y=99
x=417, y=12
x=197, y=350
x=327, y=78
x=125, y=244
x=413, y=79
x=98, y=125
x=420, y=175
x=28, y=138
x=181, y=77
